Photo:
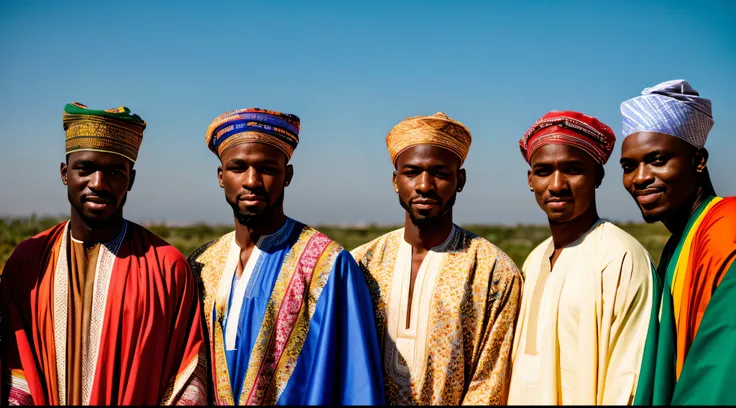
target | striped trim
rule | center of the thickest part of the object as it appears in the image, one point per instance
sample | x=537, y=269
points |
x=678, y=278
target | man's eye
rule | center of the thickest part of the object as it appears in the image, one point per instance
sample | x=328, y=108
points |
x=628, y=167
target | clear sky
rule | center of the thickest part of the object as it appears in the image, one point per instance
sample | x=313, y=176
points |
x=350, y=71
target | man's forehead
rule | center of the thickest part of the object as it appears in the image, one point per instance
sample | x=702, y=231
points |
x=643, y=142
x=427, y=154
x=559, y=153
x=100, y=158
x=252, y=151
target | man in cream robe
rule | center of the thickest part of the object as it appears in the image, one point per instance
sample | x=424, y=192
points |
x=445, y=322
x=584, y=318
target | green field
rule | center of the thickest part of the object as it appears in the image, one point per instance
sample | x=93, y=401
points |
x=517, y=241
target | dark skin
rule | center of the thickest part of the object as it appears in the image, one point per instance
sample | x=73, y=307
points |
x=97, y=186
x=666, y=176
x=563, y=179
x=427, y=178
x=254, y=176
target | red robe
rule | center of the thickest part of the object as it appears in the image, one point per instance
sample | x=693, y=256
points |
x=145, y=338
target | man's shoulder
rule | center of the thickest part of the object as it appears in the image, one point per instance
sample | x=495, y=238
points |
x=39, y=242
x=214, y=247
x=376, y=244
x=164, y=249
x=717, y=230
x=31, y=249
x=192, y=257
x=307, y=231
x=489, y=253
x=722, y=215
x=616, y=240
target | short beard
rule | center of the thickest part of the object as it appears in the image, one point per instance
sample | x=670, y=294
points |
x=425, y=221
x=97, y=224
x=254, y=220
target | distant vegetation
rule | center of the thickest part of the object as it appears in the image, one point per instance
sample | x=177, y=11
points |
x=516, y=241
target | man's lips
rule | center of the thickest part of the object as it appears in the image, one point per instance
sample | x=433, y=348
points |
x=251, y=199
x=424, y=204
x=647, y=196
x=557, y=202
x=96, y=203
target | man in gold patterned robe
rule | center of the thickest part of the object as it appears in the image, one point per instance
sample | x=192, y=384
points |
x=445, y=299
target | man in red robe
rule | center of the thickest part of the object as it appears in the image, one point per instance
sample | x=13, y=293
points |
x=98, y=310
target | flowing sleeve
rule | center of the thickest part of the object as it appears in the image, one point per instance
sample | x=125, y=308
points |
x=489, y=384
x=628, y=288
x=188, y=383
x=17, y=387
x=707, y=374
x=340, y=362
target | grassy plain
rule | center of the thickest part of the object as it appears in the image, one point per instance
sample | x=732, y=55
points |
x=517, y=241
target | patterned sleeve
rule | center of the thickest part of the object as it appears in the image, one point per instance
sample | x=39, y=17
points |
x=489, y=384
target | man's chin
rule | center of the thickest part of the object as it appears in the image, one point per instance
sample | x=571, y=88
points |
x=653, y=215
x=250, y=219
x=422, y=219
x=560, y=217
x=96, y=220
x=651, y=218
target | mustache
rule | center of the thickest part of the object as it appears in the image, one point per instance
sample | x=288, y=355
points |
x=257, y=192
x=428, y=196
x=100, y=195
x=564, y=194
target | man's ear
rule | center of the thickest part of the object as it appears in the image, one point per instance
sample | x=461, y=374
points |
x=393, y=181
x=462, y=177
x=289, y=174
x=63, y=170
x=132, y=179
x=529, y=179
x=219, y=176
x=600, y=173
x=700, y=160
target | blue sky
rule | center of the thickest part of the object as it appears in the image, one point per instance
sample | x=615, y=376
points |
x=350, y=71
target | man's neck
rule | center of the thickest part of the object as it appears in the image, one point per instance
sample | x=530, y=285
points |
x=677, y=222
x=427, y=236
x=102, y=233
x=246, y=237
x=565, y=233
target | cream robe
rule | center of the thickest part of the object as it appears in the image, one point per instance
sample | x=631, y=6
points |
x=582, y=328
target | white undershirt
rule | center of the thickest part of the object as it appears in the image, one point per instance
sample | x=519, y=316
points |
x=239, y=286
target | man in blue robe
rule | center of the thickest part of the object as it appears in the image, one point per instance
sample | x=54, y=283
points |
x=288, y=312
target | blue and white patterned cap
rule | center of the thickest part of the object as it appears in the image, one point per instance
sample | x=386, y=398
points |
x=673, y=108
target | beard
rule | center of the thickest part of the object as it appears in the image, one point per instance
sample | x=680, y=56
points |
x=255, y=219
x=425, y=220
x=93, y=222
